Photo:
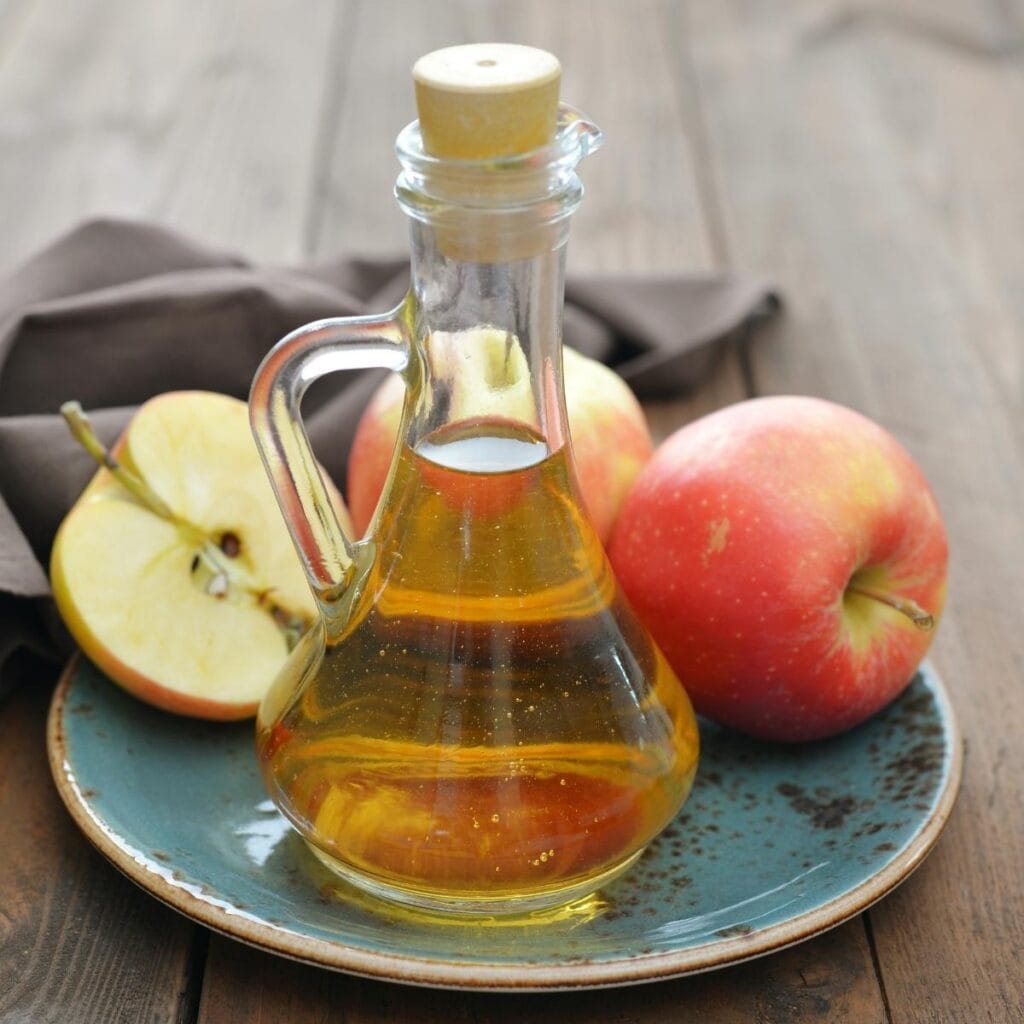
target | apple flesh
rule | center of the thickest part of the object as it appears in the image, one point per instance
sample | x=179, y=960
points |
x=610, y=438
x=174, y=571
x=789, y=558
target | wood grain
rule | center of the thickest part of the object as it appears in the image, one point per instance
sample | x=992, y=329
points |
x=823, y=981
x=201, y=115
x=353, y=209
x=859, y=164
x=642, y=211
x=78, y=942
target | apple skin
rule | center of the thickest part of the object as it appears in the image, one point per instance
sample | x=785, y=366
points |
x=610, y=439
x=737, y=546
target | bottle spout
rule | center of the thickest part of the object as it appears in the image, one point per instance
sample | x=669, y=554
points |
x=580, y=133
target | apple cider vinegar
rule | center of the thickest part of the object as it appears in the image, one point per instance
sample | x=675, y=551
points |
x=490, y=724
x=477, y=724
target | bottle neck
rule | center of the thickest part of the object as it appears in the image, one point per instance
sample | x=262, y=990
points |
x=485, y=310
x=489, y=330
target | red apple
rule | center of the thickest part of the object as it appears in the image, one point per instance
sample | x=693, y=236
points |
x=610, y=438
x=789, y=558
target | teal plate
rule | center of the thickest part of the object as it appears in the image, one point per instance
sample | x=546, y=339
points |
x=776, y=844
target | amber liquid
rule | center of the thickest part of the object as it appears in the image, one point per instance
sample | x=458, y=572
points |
x=489, y=723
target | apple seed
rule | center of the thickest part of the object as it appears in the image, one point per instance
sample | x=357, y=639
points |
x=231, y=545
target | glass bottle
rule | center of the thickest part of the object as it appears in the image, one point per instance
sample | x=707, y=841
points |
x=477, y=722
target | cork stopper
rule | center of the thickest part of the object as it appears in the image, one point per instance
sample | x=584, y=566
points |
x=483, y=101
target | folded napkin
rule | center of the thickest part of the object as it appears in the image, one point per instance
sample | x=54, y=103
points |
x=116, y=312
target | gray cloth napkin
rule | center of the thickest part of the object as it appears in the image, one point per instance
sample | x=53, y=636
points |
x=116, y=312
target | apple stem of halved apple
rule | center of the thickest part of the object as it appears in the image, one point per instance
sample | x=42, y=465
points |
x=216, y=578
x=909, y=607
x=82, y=431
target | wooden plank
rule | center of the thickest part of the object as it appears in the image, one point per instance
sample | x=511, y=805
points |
x=830, y=978
x=868, y=164
x=201, y=115
x=825, y=980
x=13, y=14
x=353, y=209
x=78, y=942
x=245, y=985
x=641, y=211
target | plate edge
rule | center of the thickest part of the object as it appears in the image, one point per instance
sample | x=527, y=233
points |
x=500, y=977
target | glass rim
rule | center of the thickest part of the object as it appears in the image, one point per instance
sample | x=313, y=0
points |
x=576, y=137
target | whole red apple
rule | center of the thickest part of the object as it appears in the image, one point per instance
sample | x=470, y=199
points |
x=610, y=438
x=789, y=558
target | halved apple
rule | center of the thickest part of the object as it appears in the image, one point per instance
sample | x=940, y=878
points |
x=174, y=570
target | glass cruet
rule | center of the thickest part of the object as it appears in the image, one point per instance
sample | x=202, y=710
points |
x=477, y=723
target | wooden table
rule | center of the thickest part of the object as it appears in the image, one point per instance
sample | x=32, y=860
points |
x=868, y=157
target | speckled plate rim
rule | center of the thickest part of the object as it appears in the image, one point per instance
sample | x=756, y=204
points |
x=411, y=970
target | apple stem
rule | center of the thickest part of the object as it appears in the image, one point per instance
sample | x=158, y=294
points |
x=82, y=431
x=908, y=606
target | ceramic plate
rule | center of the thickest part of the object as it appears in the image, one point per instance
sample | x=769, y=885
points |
x=776, y=844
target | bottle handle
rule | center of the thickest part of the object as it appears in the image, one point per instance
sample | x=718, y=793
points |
x=298, y=359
